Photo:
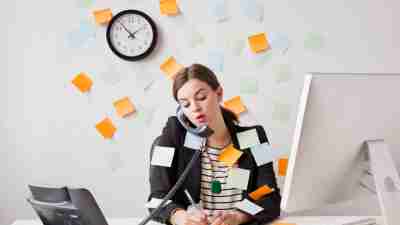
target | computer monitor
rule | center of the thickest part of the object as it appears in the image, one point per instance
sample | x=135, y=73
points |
x=347, y=129
x=65, y=206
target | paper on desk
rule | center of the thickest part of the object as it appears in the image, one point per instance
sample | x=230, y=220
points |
x=248, y=207
x=264, y=153
x=238, y=178
x=193, y=141
x=229, y=155
x=106, y=128
x=154, y=203
x=162, y=156
x=235, y=104
x=248, y=138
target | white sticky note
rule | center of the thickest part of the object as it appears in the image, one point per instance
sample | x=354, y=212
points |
x=193, y=141
x=162, y=156
x=154, y=203
x=264, y=153
x=248, y=207
x=218, y=10
x=278, y=41
x=253, y=10
x=248, y=138
x=216, y=60
x=238, y=178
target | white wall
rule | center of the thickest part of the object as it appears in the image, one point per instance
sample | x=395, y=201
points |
x=47, y=133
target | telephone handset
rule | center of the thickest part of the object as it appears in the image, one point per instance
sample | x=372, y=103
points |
x=203, y=131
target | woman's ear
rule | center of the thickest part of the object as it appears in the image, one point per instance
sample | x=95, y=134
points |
x=220, y=93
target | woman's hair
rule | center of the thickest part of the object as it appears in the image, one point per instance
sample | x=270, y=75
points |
x=200, y=72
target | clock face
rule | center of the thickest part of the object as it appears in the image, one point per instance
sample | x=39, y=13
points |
x=131, y=35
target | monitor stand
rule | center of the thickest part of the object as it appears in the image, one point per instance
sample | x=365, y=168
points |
x=386, y=179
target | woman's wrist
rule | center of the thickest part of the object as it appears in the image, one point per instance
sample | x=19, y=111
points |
x=242, y=217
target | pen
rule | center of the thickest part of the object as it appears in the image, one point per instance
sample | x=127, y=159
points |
x=191, y=200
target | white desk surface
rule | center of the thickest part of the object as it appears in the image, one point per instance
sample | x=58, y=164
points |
x=298, y=220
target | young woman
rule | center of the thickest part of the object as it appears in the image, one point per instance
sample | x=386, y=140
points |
x=199, y=94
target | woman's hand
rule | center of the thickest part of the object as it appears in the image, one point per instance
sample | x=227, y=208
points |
x=230, y=218
x=192, y=216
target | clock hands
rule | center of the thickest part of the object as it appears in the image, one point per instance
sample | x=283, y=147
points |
x=138, y=29
x=131, y=35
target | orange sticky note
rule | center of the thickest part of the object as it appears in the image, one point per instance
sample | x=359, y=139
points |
x=235, y=104
x=282, y=164
x=229, y=155
x=258, y=42
x=102, y=16
x=82, y=82
x=260, y=192
x=168, y=7
x=124, y=107
x=170, y=67
x=106, y=128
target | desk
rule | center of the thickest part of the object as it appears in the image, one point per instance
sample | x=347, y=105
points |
x=298, y=220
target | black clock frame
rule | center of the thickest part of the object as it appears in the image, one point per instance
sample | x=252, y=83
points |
x=153, y=42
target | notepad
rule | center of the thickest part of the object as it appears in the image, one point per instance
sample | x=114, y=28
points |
x=82, y=82
x=229, y=155
x=162, y=156
x=258, y=42
x=124, y=107
x=238, y=178
x=102, y=16
x=260, y=192
x=106, y=128
x=168, y=7
x=264, y=153
x=235, y=104
x=248, y=138
x=282, y=166
x=170, y=67
x=248, y=207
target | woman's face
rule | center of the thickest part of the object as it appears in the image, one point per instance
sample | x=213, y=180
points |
x=199, y=102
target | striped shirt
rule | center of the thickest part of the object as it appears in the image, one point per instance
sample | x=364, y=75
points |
x=226, y=199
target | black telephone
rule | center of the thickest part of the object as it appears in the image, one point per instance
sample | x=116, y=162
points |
x=203, y=131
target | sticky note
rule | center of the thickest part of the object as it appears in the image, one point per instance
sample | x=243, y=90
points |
x=279, y=41
x=102, y=16
x=258, y=42
x=193, y=141
x=248, y=207
x=282, y=72
x=252, y=10
x=162, y=156
x=124, y=107
x=264, y=153
x=238, y=178
x=235, y=104
x=248, y=138
x=82, y=82
x=168, y=7
x=281, y=111
x=106, y=128
x=154, y=203
x=314, y=41
x=229, y=155
x=260, y=192
x=282, y=166
x=218, y=10
x=249, y=86
x=170, y=67
x=216, y=61
x=81, y=36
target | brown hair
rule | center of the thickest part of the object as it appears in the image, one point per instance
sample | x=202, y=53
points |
x=200, y=72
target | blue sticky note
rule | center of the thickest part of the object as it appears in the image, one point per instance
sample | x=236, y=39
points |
x=252, y=10
x=264, y=153
x=278, y=41
x=218, y=10
x=216, y=61
x=82, y=35
x=193, y=141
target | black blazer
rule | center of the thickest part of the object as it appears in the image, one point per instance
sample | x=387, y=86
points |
x=163, y=178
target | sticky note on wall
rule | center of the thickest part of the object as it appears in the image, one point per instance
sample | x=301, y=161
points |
x=229, y=155
x=102, y=16
x=235, y=104
x=170, y=67
x=238, y=178
x=106, y=128
x=260, y=192
x=82, y=82
x=168, y=7
x=282, y=166
x=124, y=107
x=258, y=42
